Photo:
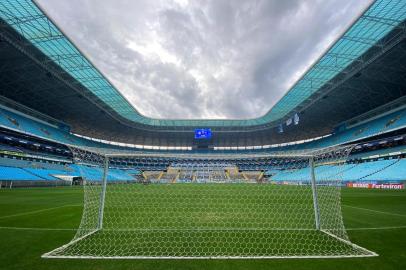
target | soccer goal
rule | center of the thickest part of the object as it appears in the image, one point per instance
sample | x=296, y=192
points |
x=139, y=205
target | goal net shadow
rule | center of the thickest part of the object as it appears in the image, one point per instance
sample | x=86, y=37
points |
x=186, y=207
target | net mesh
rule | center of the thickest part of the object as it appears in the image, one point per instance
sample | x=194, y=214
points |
x=197, y=206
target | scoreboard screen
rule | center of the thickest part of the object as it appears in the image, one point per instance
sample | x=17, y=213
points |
x=203, y=133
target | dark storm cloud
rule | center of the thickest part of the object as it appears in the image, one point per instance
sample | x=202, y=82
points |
x=203, y=59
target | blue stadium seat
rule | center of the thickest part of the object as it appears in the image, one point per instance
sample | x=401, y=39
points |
x=10, y=173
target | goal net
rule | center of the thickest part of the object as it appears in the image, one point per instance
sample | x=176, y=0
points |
x=281, y=205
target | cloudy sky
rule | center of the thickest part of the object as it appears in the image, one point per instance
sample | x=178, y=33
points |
x=203, y=58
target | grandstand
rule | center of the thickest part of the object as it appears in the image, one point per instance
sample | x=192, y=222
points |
x=63, y=123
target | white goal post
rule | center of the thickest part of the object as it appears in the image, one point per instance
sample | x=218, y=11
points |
x=143, y=205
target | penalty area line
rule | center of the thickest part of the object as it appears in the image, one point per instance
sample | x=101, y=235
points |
x=376, y=228
x=39, y=211
x=36, y=229
x=375, y=211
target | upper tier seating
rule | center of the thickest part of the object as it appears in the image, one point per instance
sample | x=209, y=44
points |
x=29, y=126
x=380, y=125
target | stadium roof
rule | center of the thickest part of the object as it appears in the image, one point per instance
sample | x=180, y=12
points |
x=43, y=71
x=32, y=23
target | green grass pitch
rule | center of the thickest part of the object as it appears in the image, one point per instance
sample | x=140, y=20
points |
x=210, y=220
x=35, y=221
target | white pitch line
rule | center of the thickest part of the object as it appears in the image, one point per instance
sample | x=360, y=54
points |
x=72, y=229
x=375, y=211
x=38, y=211
x=377, y=228
x=37, y=229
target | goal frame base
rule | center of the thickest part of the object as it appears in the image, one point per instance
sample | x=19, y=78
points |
x=49, y=255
